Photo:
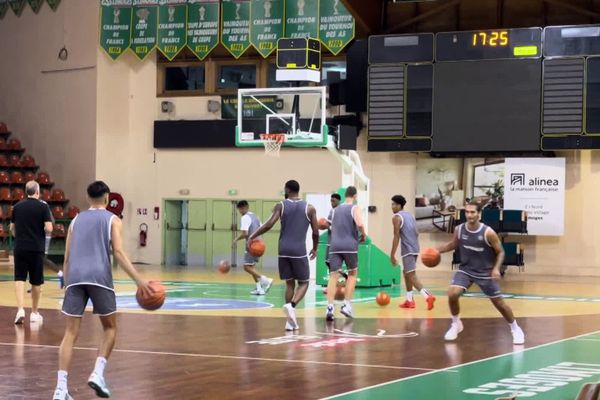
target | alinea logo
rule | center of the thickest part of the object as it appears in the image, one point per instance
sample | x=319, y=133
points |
x=519, y=182
x=517, y=179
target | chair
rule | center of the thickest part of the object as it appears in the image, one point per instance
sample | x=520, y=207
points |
x=29, y=176
x=4, y=177
x=459, y=218
x=9, y=212
x=514, y=221
x=3, y=232
x=45, y=195
x=73, y=211
x=28, y=161
x=3, y=128
x=14, y=161
x=3, y=161
x=43, y=178
x=59, y=230
x=17, y=177
x=513, y=255
x=2, y=144
x=58, y=212
x=58, y=195
x=491, y=217
x=589, y=391
x=14, y=144
x=1, y=213
x=18, y=194
x=5, y=194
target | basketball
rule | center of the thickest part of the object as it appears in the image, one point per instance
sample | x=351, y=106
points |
x=383, y=299
x=430, y=257
x=154, y=301
x=323, y=224
x=224, y=266
x=257, y=248
x=340, y=293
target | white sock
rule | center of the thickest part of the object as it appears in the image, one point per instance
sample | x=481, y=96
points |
x=61, y=382
x=514, y=326
x=258, y=286
x=455, y=318
x=100, y=365
x=409, y=296
x=425, y=293
x=59, y=273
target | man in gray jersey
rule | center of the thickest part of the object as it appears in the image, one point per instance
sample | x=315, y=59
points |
x=481, y=255
x=405, y=231
x=335, y=201
x=296, y=217
x=88, y=276
x=248, y=225
x=346, y=223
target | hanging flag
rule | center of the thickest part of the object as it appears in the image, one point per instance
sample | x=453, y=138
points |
x=17, y=6
x=302, y=18
x=3, y=8
x=144, y=28
x=115, y=26
x=36, y=5
x=266, y=26
x=337, y=25
x=172, y=32
x=203, y=26
x=235, y=26
x=53, y=4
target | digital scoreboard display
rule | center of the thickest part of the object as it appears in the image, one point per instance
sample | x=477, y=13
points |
x=495, y=44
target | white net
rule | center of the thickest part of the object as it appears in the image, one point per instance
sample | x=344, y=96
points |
x=272, y=143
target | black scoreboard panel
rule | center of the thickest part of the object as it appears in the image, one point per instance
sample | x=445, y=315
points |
x=592, y=99
x=563, y=83
x=576, y=40
x=419, y=100
x=390, y=49
x=487, y=106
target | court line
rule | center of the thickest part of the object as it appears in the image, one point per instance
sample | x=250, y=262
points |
x=199, y=355
x=449, y=369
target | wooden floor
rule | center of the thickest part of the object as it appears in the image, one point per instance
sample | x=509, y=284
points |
x=241, y=353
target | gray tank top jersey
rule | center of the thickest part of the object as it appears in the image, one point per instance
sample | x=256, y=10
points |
x=254, y=225
x=409, y=236
x=329, y=218
x=89, y=257
x=477, y=257
x=294, y=225
x=344, y=233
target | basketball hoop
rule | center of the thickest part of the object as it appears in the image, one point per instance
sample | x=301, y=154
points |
x=272, y=143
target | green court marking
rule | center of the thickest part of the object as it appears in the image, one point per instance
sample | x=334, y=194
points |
x=551, y=371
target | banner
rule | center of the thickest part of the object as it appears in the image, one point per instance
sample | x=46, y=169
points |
x=53, y=4
x=203, y=26
x=337, y=25
x=144, y=27
x=267, y=25
x=3, y=8
x=252, y=109
x=235, y=26
x=302, y=18
x=36, y=5
x=172, y=32
x=537, y=186
x=115, y=26
x=17, y=6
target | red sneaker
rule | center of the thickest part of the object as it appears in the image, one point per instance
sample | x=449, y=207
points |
x=408, y=304
x=430, y=300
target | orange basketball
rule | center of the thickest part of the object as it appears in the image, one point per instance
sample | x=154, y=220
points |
x=224, y=266
x=340, y=293
x=154, y=301
x=383, y=299
x=430, y=257
x=323, y=224
x=257, y=248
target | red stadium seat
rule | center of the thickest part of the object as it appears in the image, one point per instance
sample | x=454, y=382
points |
x=58, y=195
x=43, y=177
x=18, y=194
x=14, y=160
x=59, y=230
x=17, y=177
x=29, y=176
x=4, y=177
x=58, y=212
x=9, y=212
x=3, y=161
x=45, y=195
x=5, y=194
x=27, y=161
x=2, y=144
x=73, y=211
x=3, y=127
x=14, y=144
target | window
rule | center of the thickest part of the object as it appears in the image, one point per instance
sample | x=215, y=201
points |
x=236, y=76
x=179, y=78
x=487, y=179
x=332, y=71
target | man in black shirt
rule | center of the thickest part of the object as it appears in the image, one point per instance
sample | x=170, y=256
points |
x=31, y=221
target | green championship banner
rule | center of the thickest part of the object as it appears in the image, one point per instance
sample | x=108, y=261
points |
x=115, y=26
x=53, y=4
x=235, y=26
x=337, y=25
x=203, y=26
x=266, y=17
x=17, y=6
x=302, y=18
x=3, y=8
x=172, y=32
x=36, y=5
x=144, y=27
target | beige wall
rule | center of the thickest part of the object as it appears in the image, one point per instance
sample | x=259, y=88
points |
x=50, y=104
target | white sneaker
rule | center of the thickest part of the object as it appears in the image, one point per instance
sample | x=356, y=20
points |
x=289, y=327
x=290, y=313
x=98, y=383
x=347, y=310
x=36, y=317
x=60, y=394
x=518, y=336
x=455, y=329
x=266, y=284
x=20, y=317
x=258, y=292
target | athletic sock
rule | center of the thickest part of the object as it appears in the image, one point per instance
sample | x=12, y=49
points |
x=455, y=319
x=59, y=273
x=100, y=365
x=258, y=286
x=409, y=296
x=61, y=382
x=514, y=326
x=293, y=304
x=425, y=293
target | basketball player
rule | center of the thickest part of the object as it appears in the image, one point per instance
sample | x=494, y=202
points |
x=88, y=275
x=335, y=201
x=481, y=255
x=249, y=224
x=405, y=233
x=296, y=217
x=346, y=223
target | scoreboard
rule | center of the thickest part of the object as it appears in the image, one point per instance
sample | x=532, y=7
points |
x=499, y=90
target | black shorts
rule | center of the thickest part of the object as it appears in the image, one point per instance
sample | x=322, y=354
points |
x=29, y=263
x=294, y=269
x=77, y=296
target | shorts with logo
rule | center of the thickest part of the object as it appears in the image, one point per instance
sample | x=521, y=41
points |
x=409, y=263
x=337, y=259
x=489, y=286
x=29, y=263
x=77, y=296
x=249, y=259
x=294, y=268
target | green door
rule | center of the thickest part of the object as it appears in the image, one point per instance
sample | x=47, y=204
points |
x=222, y=228
x=271, y=238
x=196, y=231
x=172, y=232
x=238, y=256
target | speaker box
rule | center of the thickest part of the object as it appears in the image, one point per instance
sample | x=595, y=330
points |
x=346, y=137
x=357, y=64
x=337, y=93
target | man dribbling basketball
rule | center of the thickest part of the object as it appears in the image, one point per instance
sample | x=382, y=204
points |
x=296, y=217
x=405, y=231
x=88, y=276
x=481, y=255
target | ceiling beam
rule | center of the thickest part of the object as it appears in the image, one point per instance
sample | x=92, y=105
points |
x=572, y=7
x=367, y=14
x=425, y=15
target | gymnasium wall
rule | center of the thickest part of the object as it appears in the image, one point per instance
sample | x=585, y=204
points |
x=50, y=104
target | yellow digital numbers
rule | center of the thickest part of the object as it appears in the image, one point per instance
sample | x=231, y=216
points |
x=490, y=39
